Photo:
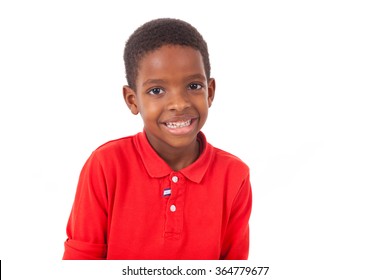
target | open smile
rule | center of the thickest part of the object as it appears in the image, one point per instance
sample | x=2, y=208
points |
x=180, y=126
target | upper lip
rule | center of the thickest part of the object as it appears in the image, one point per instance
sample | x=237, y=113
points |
x=180, y=118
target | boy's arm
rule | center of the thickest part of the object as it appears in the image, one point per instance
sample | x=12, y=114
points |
x=87, y=223
x=235, y=244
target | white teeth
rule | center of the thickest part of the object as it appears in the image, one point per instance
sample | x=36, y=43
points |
x=178, y=124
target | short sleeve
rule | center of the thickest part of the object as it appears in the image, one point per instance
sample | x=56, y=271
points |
x=87, y=224
x=235, y=244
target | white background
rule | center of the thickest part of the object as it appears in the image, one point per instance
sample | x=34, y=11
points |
x=302, y=97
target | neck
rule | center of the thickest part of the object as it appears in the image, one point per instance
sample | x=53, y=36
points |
x=180, y=158
x=177, y=158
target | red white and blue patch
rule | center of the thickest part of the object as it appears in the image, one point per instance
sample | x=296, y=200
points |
x=167, y=192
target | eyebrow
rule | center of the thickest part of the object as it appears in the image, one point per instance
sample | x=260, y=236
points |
x=196, y=76
x=153, y=81
x=161, y=81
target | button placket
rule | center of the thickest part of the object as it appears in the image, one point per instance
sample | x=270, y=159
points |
x=175, y=205
x=174, y=186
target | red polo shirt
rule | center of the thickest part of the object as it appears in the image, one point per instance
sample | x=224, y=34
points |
x=130, y=204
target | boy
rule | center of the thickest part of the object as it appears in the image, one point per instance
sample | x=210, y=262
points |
x=164, y=193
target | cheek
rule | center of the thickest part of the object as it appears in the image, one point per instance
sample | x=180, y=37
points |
x=205, y=104
x=203, y=108
x=150, y=111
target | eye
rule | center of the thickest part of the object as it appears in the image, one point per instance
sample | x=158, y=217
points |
x=195, y=86
x=156, y=91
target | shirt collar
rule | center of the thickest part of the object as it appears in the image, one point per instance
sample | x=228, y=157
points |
x=157, y=167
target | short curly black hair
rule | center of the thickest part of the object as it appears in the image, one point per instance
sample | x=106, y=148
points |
x=157, y=33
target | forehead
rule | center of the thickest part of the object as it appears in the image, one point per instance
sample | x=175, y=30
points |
x=170, y=60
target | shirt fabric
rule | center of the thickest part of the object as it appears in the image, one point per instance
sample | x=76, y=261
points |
x=130, y=204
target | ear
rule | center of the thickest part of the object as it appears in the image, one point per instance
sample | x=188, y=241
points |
x=210, y=91
x=131, y=99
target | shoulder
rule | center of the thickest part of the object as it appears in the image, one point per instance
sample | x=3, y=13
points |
x=112, y=157
x=116, y=143
x=115, y=148
x=223, y=161
x=226, y=160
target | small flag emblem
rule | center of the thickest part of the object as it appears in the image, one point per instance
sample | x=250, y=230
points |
x=167, y=192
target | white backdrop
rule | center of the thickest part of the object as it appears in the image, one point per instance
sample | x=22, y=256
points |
x=302, y=97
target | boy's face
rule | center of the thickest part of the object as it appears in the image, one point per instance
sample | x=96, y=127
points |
x=172, y=96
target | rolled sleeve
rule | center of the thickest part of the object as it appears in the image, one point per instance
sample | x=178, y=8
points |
x=78, y=250
x=87, y=224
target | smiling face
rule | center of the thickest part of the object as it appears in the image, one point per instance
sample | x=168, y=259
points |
x=173, y=96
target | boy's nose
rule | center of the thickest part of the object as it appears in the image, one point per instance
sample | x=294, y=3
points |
x=179, y=100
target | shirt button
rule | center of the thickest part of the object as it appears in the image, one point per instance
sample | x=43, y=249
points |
x=172, y=208
x=175, y=179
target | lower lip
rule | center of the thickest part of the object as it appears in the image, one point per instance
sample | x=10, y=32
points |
x=182, y=130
